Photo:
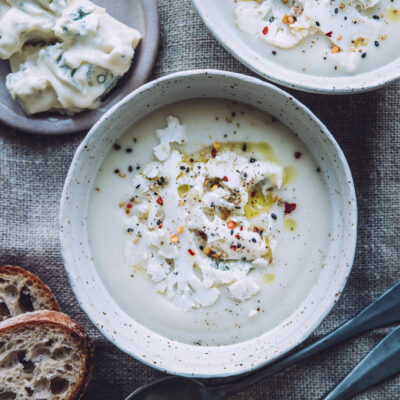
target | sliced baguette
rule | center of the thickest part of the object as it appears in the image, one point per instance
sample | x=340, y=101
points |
x=44, y=355
x=21, y=292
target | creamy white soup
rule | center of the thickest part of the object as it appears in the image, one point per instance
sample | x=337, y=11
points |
x=209, y=222
x=321, y=37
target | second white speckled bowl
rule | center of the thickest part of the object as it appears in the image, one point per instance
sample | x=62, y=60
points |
x=220, y=22
x=137, y=340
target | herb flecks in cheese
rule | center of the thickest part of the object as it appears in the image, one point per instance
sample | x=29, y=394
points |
x=186, y=221
x=348, y=26
x=25, y=21
x=64, y=55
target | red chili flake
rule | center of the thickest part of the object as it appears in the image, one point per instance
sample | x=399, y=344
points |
x=290, y=207
x=225, y=179
x=298, y=154
x=231, y=224
x=160, y=226
x=191, y=252
x=237, y=236
x=241, y=227
x=329, y=34
x=202, y=235
x=213, y=152
x=160, y=201
x=234, y=248
x=256, y=230
x=129, y=205
x=253, y=193
x=265, y=30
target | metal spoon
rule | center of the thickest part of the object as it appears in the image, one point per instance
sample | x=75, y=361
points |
x=383, y=311
x=381, y=363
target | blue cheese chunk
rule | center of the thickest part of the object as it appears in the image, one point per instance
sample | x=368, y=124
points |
x=81, y=53
x=24, y=21
x=92, y=36
x=41, y=82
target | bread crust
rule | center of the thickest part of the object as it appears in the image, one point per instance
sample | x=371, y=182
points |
x=36, y=282
x=55, y=319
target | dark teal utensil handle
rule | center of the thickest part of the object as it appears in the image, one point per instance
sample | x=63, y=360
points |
x=381, y=363
x=382, y=312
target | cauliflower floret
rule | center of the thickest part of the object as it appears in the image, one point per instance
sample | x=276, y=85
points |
x=243, y=289
x=173, y=133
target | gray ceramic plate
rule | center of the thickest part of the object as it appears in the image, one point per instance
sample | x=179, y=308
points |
x=140, y=14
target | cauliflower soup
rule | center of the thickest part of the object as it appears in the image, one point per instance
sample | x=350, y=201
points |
x=320, y=37
x=209, y=222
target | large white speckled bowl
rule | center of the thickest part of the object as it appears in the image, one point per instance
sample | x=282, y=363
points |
x=102, y=309
x=220, y=22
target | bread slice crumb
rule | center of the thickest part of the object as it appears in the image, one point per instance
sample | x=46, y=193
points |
x=44, y=355
x=21, y=292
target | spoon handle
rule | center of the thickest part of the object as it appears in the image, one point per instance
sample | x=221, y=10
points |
x=383, y=311
x=381, y=363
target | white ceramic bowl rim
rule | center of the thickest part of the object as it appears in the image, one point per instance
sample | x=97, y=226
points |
x=149, y=347
x=292, y=79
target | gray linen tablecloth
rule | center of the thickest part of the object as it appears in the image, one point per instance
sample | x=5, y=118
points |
x=33, y=169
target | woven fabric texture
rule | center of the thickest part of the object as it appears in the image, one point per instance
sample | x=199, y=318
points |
x=33, y=169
